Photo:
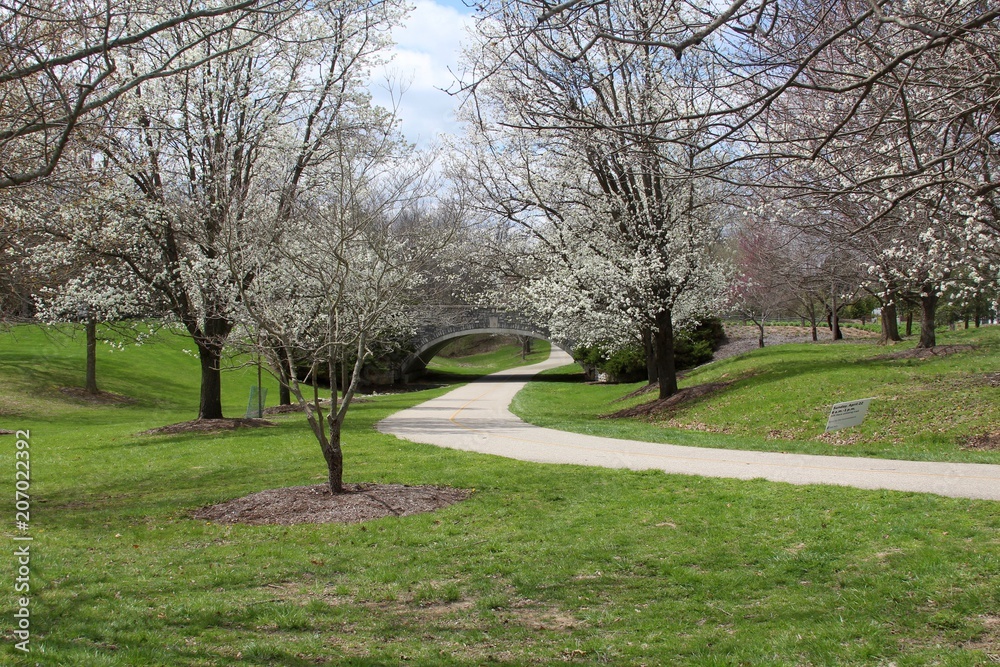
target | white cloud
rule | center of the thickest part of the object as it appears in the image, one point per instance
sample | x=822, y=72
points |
x=426, y=46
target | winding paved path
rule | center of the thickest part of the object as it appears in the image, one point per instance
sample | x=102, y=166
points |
x=475, y=418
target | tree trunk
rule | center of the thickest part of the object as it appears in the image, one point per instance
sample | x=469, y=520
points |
x=835, y=321
x=91, y=382
x=760, y=333
x=652, y=375
x=666, y=370
x=890, y=325
x=928, y=311
x=210, y=355
x=525, y=347
x=284, y=394
x=334, y=456
x=909, y=322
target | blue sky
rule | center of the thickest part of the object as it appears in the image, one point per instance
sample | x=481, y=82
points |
x=426, y=46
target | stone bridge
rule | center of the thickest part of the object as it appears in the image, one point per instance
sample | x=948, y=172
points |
x=451, y=322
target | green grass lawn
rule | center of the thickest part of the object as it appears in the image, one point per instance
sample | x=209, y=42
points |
x=780, y=398
x=505, y=356
x=542, y=565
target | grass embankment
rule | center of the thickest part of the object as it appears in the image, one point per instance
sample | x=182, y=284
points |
x=496, y=357
x=780, y=397
x=543, y=564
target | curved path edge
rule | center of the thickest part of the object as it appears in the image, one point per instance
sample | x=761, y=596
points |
x=475, y=417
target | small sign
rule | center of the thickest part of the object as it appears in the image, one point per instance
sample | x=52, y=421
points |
x=845, y=415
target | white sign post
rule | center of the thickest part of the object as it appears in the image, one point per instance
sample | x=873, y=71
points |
x=844, y=415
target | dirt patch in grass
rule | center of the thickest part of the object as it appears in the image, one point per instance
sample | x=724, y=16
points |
x=208, y=426
x=100, y=398
x=924, y=352
x=317, y=504
x=4, y=431
x=992, y=379
x=985, y=442
x=989, y=641
x=671, y=403
x=840, y=438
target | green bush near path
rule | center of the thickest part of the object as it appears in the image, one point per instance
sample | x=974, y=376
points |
x=925, y=408
x=542, y=565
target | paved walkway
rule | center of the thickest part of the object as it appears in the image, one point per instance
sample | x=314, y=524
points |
x=475, y=418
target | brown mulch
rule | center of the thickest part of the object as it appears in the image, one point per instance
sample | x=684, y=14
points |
x=101, y=397
x=924, y=352
x=4, y=431
x=317, y=504
x=671, y=403
x=208, y=425
x=985, y=442
x=287, y=409
x=296, y=407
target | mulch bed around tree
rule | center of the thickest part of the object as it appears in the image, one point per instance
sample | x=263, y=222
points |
x=208, y=425
x=317, y=504
x=985, y=442
x=924, y=352
x=671, y=403
x=297, y=407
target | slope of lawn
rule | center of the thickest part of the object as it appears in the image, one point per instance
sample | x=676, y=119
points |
x=483, y=363
x=780, y=397
x=542, y=565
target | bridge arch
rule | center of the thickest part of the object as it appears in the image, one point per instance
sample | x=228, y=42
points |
x=444, y=324
x=416, y=363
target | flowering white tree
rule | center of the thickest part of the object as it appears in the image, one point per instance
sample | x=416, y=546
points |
x=204, y=160
x=898, y=129
x=67, y=282
x=65, y=61
x=576, y=149
x=901, y=97
x=915, y=236
x=344, y=275
x=745, y=57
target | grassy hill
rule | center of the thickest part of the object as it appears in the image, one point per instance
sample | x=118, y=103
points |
x=483, y=354
x=929, y=405
x=541, y=565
